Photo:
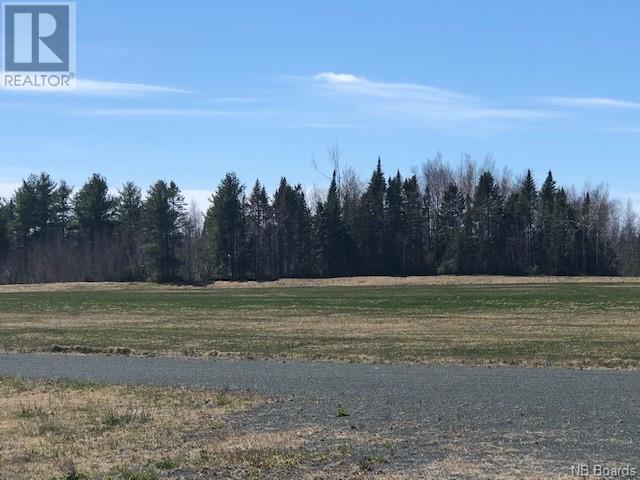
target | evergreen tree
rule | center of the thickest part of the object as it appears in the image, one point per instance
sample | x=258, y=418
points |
x=163, y=219
x=224, y=227
x=44, y=205
x=128, y=218
x=302, y=259
x=258, y=217
x=563, y=235
x=547, y=213
x=371, y=224
x=331, y=234
x=5, y=239
x=395, y=229
x=487, y=216
x=94, y=208
x=62, y=208
x=414, y=218
x=449, y=231
x=24, y=222
x=526, y=218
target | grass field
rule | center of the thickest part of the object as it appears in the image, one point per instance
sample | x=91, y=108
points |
x=573, y=322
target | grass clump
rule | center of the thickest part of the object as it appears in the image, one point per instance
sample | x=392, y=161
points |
x=113, y=418
x=28, y=411
x=127, y=473
x=342, y=412
x=167, y=464
x=369, y=462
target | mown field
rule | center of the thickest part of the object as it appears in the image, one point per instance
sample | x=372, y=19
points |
x=511, y=321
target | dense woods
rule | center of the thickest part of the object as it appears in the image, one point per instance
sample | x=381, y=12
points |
x=463, y=220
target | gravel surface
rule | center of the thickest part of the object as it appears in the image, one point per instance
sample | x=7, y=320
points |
x=555, y=417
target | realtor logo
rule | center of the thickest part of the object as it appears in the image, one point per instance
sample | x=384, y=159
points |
x=38, y=46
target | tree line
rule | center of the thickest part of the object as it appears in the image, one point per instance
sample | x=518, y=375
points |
x=464, y=220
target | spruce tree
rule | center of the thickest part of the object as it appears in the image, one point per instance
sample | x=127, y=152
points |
x=225, y=229
x=487, y=216
x=163, y=220
x=128, y=217
x=331, y=234
x=414, y=218
x=548, y=242
x=371, y=224
x=395, y=228
x=94, y=208
x=258, y=249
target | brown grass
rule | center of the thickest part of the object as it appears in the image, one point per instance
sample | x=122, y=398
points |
x=365, y=281
x=49, y=429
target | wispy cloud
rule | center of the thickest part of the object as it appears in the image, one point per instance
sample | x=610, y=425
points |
x=419, y=102
x=160, y=112
x=589, y=102
x=346, y=82
x=97, y=87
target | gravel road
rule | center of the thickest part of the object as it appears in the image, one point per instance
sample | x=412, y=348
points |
x=554, y=417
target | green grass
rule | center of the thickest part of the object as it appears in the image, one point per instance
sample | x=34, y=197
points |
x=557, y=324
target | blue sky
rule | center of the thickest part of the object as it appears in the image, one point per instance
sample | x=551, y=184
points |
x=189, y=90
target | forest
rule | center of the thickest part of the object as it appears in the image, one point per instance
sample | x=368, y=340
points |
x=439, y=220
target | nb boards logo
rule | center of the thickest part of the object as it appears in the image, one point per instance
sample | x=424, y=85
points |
x=39, y=46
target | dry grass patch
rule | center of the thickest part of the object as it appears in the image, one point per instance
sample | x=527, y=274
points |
x=365, y=281
x=52, y=429
x=383, y=281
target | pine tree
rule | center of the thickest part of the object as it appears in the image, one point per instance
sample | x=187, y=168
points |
x=302, y=259
x=449, y=231
x=224, y=227
x=526, y=212
x=331, y=233
x=44, y=207
x=163, y=220
x=371, y=224
x=487, y=216
x=25, y=222
x=128, y=217
x=94, y=208
x=563, y=235
x=414, y=218
x=395, y=229
x=62, y=208
x=547, y=213
x=5, y=239
x=258, y=217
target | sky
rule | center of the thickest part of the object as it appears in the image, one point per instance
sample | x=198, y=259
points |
x=189, y=90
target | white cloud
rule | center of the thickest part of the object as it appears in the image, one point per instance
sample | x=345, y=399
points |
x=97, y=87
x=417, y=102
x=587, y=102
x=346, y=82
